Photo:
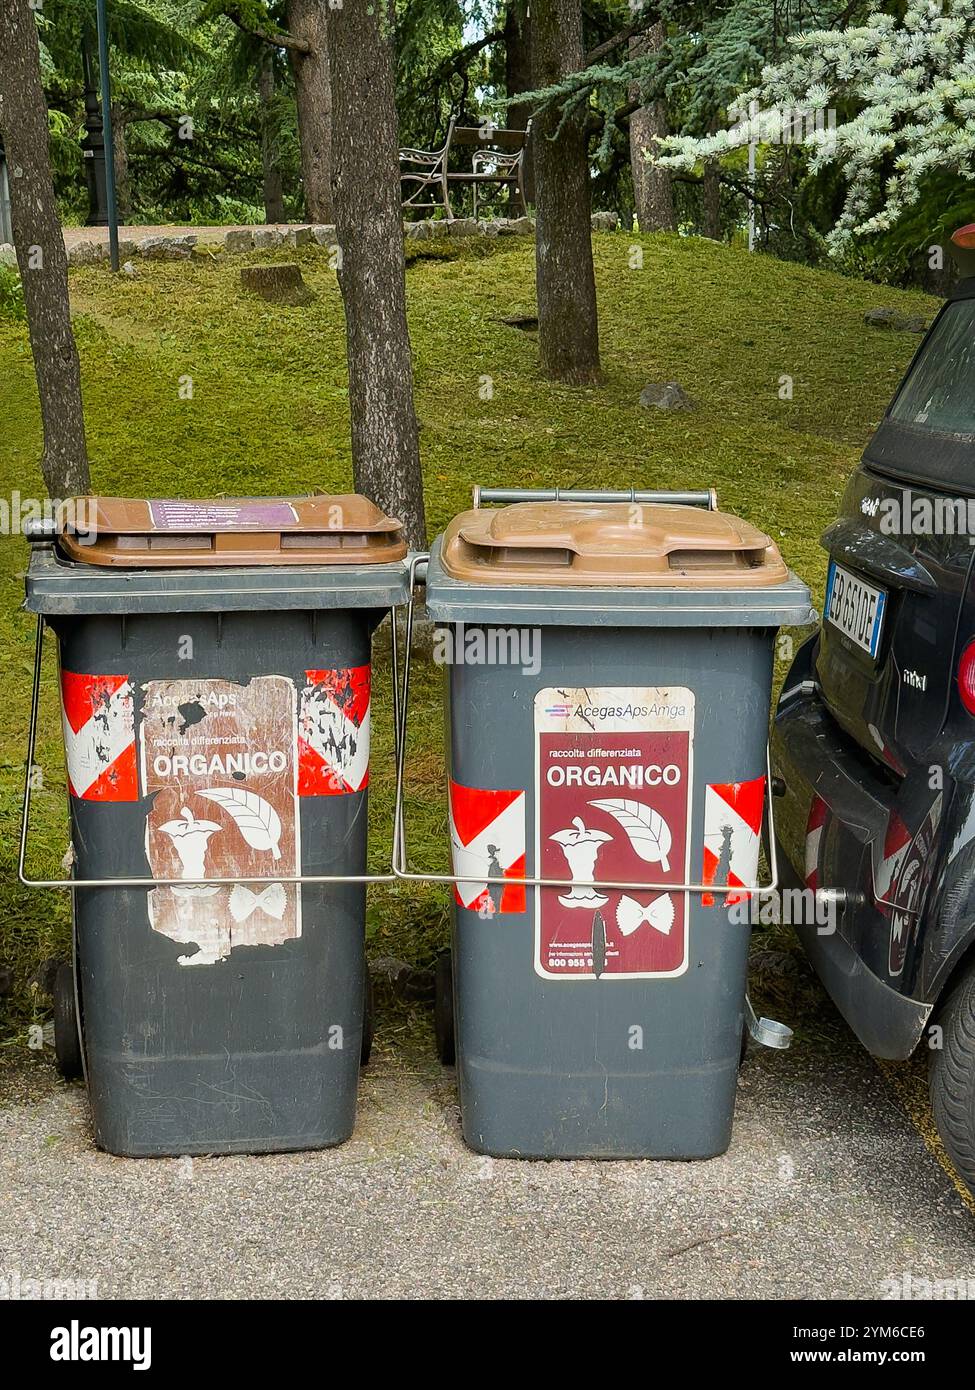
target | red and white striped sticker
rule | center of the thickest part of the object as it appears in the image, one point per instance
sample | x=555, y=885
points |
x=98, y=718
x=887, y=863
x=487, y=841
x=732, y=836
x=333, y=732
x=815, y=824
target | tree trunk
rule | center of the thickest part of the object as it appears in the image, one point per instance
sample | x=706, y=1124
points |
x=517, y=61
x=568, y=326
x=711, y=201
x=40, y=253
x=711, y=195
x=653, y=192
x=123, y=184
x=372, y=270
x=518, y=78
x=272, y=182
x=307, y=20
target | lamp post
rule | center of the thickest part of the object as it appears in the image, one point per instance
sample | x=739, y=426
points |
x=752, y=112
x=93, y=145
x=109, y=143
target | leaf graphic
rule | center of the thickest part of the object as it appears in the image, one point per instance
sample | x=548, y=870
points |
x=648, y=832
x=256, y=818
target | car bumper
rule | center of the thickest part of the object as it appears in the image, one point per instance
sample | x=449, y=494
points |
x=833, y=819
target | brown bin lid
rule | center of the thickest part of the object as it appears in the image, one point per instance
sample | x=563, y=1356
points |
x=154, y=533
x=611, y=543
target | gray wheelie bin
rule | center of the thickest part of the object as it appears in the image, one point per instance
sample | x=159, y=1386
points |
x=608, y=684
x=215, y=694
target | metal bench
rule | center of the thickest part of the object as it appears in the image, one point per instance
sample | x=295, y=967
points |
x=498, y=161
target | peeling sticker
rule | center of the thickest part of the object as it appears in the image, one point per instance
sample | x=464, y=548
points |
x=911, y=877
x=732, y=837
x=888, y=858
x=221, y=761
x=812, y=849
x=487, y=843
x=98, y=719
x=333, y=732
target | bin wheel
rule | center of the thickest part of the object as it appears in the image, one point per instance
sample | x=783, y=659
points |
x=443, y=1009
x=952, y=1077
x=67, y=1040
x=368, y=1027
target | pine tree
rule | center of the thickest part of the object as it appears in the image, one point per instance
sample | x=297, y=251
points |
x=889, y=102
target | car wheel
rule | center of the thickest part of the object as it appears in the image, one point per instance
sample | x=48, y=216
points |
x=67, y=1041
x=443, y=1009
x=952, y=1077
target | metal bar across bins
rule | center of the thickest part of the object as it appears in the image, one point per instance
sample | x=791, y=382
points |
x=706, y=497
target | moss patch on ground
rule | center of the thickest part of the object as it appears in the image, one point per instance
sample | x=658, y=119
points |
x=194, y=388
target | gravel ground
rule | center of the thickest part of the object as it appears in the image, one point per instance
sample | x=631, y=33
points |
x=828, y=1190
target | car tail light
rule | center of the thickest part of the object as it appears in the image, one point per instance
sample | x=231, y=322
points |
x=966, y=677
x=961, y=247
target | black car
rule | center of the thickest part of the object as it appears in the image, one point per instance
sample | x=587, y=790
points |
x=873, y=745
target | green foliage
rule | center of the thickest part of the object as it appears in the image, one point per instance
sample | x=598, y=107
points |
x=173, y=70
x=900, y=92
x=178, y=59
x=11, y=295
x=945, y=202
x=249, y=15
x=433, y=79
x=710, y=51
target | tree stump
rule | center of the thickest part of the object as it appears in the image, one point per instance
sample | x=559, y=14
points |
x=279, y=284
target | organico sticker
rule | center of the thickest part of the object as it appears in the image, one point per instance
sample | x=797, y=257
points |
x=220, y=760
x=612, y=803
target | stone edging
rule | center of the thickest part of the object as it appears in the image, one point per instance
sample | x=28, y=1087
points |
x=240, y=240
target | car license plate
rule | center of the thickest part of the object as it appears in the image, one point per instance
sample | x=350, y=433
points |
x=855, y=608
